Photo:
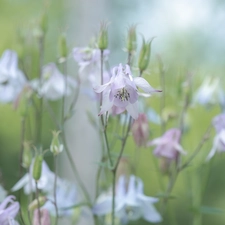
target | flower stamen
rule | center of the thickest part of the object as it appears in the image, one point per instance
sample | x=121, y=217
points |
x=122, y=94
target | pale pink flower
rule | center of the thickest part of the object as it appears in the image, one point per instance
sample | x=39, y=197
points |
x=219, y=139
x=45, y=217
x=122, y=91
x=8, y=210
x=168, y=145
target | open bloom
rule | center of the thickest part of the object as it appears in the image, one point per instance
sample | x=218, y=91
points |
x=45, y=183
x=130, y=202
x=12, y=80
x=8, y=211
x=53, y=84
x=66, y=197
x=219, y=139
x=121, y=91
x=168, y=145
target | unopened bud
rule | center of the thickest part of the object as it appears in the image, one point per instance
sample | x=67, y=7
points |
x=56, y=147
x=131, y=39
x=124, y=167
x=62, y=46
x=144, y=56
x=140, y=130
x=38, y=202
x=37, y=168
x=43, y=22
x=103, y=37
x=27, y=155
x=45, y=217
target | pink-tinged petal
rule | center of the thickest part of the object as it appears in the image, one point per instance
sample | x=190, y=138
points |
x=132, y=109
x=106, y=104
x=214, y=148
x=144, y=85
x=121, y=187
x=7, y=200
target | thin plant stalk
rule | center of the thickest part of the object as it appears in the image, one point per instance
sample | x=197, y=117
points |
x=37, y=197
x=55, y=187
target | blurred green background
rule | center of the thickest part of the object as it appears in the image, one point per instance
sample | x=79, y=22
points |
x=190, y=38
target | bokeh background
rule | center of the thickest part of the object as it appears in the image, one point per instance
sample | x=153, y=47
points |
x=190, y=38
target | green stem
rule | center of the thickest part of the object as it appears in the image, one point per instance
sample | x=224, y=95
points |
x=55, y=187
x=37, y=197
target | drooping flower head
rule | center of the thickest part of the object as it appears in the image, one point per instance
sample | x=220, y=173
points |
x=140, y=130
x=130, y=202
x=121, y=91
x=45, y=217
x=8, y=210
x=12, y=80
x=168, y=145
x=219, y=140
x=88, y=56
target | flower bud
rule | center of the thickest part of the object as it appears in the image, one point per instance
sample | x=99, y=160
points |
x=27, y=155
x=56, y=147
x=103, y=37
x=45, y=217
x=43, y=22
x=140, y=130
x=131, y=39
x=144, y=56
x=37, y=168
x=40, y=201
x=62, y=46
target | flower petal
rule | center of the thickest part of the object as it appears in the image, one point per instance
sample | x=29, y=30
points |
x=133, y=110
x=144, y=85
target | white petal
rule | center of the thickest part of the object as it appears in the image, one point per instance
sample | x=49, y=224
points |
x=21, y=183
x=103, y=207
x=180, y=149
x=144, y=85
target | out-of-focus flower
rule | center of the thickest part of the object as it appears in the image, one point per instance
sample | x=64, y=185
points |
x=45, y=183
x=121, y=91
x=53, y=84
x=88, y=57
x=209, y=92
x=219, y=139
x=130, y=202
x=168, y=145
x=12, y=80
x=140, y=130
x=56, y=147
x=66, y=197
x=45, y=217
x=8, y=210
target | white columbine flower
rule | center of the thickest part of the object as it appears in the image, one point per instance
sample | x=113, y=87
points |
x=53, y=84
x=45, y=183
x=130, y=203
x=12, y=80
x=121, y=91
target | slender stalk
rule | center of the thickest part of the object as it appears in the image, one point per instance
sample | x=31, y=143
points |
x=39, y=211
x=163, y=96
x=114, y=170
x=55, y=187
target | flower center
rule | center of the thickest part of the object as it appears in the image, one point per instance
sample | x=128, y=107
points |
x=122, y=94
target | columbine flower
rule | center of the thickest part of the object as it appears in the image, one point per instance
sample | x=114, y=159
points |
x=12, y=80
x=130, y=203
x=121, y=91
x=168, y=145
x=209, y=92
x=88, y=56
x=219, y=139
x=53, y=85
x=45, y=183
x=140, y=130
x=66, y=197
x=8, y=210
